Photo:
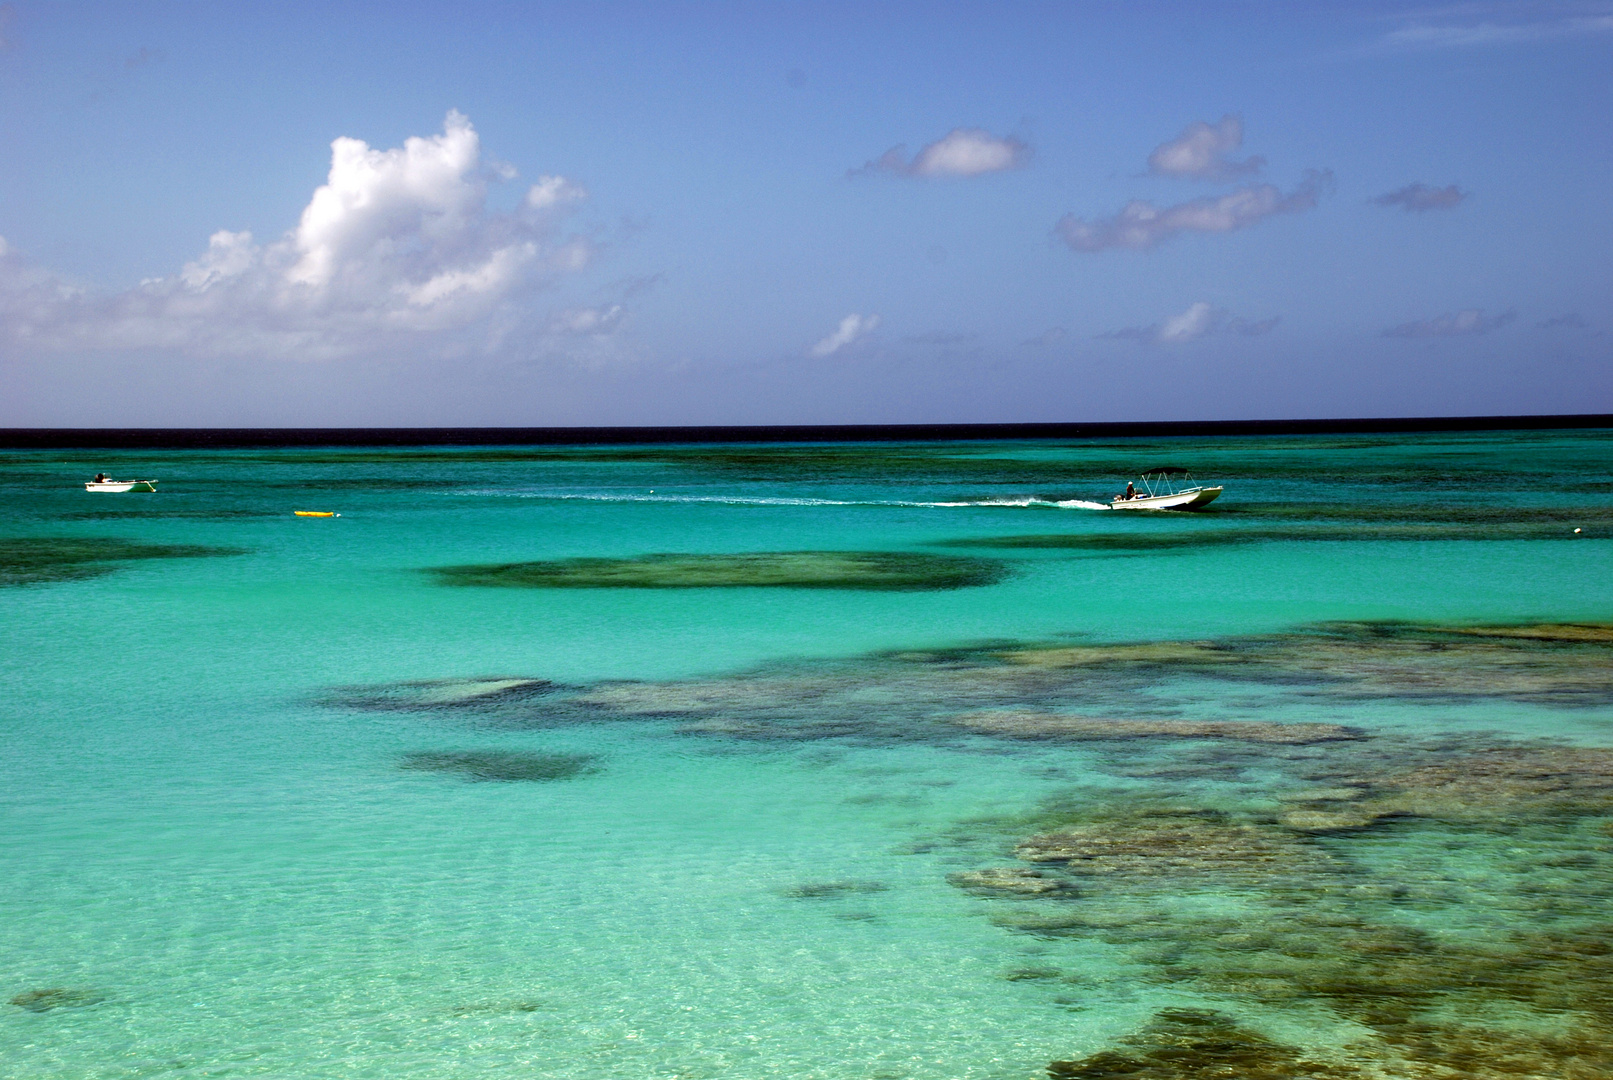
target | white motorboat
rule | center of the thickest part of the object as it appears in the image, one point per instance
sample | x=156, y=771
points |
x=1165, y=487
x=103, y=482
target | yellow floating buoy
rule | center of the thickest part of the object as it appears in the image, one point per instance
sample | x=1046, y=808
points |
x=315, y=513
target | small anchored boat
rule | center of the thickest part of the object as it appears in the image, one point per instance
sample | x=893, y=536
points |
x=103, y=482
x=1165, y=487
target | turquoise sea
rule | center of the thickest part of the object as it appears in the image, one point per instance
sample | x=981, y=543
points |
x=974, y=782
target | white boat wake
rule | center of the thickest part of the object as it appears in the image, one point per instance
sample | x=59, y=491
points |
x=760, y=500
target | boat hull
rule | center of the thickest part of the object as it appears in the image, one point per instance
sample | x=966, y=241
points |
x=1182, y=500
x=121, y=485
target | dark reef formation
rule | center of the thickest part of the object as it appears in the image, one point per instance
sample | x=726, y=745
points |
x=500, y=765
x=1191, y=844
x=875, y=570
x=1028, y=724
x=1117, y=693
x=40, y=560
x=1199, y=1044
x=56, y=997
x=1459, y=922
x=1421, y=907
x=481, y=695
x=832, y=890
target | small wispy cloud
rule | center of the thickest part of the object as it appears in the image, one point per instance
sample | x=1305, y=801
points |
x=1140, y=225
x=1415, y=198
x=961, y=152
x=1470, y=321
x=852, y=328
x=587, y=320
x=1573, y=320
x=551, y=192
x=1199, y=320
x=1452, y=31
x=1201, y=152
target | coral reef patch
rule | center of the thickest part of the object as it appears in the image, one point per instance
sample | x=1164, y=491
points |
x=831, y=890
x=1009, y=881
x=1199, y=1044
x=1560, y=664
x=1191, y=844
x=1117, y=694
x=1029, y=724
x=478, y=694
x=56, y=997
x=1446, y=901
x=875, y=570
x=500, y=765
x=1428, y=906
x=39, y=560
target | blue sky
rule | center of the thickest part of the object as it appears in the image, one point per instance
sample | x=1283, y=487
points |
x=615, y=213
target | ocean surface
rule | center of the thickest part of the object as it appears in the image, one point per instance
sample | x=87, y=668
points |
x=861, y=760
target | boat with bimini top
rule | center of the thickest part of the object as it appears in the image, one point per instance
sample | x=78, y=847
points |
x=1165, y=487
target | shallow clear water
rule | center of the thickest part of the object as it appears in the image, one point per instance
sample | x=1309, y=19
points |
x=215, y=861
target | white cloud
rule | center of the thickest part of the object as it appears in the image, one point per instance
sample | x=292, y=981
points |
x=1195, y=322
x=1463, y=35
x=851, y=328
x=1420, y=197
x=1200, y=152
x=395, y=244
x=552, y=191
x=228, y=255
x=961, y=152
x=1470, y=321
x=1141, y=225
x=1199, y=320
x=592, y=320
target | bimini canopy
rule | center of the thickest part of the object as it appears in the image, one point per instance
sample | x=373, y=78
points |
x=1165, y=470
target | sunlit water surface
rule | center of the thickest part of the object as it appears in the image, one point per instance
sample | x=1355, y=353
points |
x=279, y=800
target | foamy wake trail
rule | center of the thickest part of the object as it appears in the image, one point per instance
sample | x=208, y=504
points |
x=727, y=500
x=1025, y=500
x=761, y=500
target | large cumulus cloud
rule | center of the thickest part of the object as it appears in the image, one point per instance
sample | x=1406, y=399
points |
x=397, y=243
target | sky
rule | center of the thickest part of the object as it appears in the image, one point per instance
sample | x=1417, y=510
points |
x=556, y=214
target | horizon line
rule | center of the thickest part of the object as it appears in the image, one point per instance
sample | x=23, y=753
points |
x=42, y=438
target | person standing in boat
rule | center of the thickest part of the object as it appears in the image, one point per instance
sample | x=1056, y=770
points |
x=1131, y=491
